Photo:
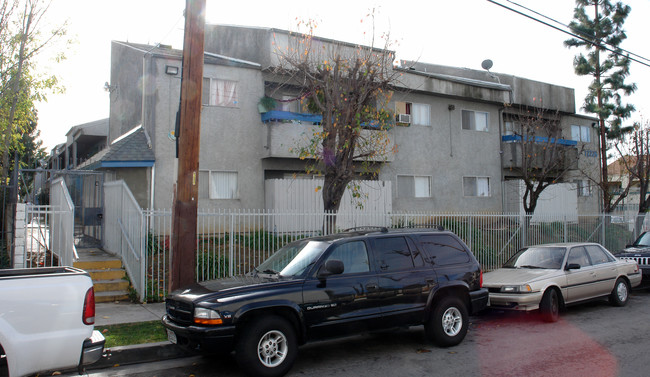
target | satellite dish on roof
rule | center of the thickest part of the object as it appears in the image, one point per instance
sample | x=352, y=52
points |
x=486, y=64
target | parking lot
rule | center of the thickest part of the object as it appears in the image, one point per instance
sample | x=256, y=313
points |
x=593, y=339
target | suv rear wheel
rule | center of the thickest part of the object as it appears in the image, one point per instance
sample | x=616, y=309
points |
x=447, y=325
x=267, y=347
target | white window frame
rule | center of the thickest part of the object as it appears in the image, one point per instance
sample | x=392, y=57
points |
x=221, y=190
x=473, y=127
x=418, y=193
x=478, y=193
x=420, y=112
x=230, y=89
x=584, y=188
x=581, y=133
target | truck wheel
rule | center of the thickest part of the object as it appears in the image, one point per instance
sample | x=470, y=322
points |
x=267, y=347
x=447, y=325
x=549, y=307
x=620, y=293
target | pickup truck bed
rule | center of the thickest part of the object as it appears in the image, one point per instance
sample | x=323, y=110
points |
x=46, y=320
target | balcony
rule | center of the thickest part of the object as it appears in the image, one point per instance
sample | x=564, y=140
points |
x=511, y=147
x=287, y=132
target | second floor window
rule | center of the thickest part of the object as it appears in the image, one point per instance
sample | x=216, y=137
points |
x=475, y=120
x=413, y=113
x=218, y=92
x=580, y=133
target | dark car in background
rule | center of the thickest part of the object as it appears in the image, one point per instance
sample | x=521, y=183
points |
x=639, y=251
x=335, y=285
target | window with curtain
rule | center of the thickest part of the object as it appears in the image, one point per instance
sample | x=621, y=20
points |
x=222, y=185
x=476, y=186
x=218, y=92
x=421, y=114
x=409, y=186
x=475, y=120
x=580, y=133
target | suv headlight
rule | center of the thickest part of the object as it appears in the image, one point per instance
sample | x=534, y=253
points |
x=525, y=288
x=203, y=316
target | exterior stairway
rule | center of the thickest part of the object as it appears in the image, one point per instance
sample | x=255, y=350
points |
x=107, y=274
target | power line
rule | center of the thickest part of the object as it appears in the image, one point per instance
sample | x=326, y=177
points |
x=594, y=43
x=568, y=27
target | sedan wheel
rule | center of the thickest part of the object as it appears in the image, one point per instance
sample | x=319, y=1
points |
x=550, y=306
x=620, y=293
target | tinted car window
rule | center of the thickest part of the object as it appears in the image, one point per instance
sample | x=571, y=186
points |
x=597, y=255
x=578, y=255
x=393, y=254
x=354, y=256
x=444, y=250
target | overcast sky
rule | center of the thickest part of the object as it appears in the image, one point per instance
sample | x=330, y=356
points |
x=458, y=33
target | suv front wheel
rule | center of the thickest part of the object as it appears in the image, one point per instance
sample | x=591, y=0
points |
x=267, y=347
x=447, y=325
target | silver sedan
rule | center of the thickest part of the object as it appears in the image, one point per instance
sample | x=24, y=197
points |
x=549, y=277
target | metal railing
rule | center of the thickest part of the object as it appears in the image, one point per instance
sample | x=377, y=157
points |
x=232, y=242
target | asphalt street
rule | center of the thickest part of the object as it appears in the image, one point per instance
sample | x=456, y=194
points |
x=593, y=339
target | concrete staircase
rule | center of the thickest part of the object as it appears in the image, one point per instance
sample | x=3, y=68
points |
x=107, y=274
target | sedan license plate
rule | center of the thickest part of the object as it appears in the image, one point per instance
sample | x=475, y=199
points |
x=171, y=336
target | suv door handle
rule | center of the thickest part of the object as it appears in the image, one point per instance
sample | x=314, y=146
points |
x=371, y=286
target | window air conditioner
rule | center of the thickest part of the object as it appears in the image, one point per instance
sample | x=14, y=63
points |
x=404, y=118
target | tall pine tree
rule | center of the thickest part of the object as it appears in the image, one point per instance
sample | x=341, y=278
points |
x=599, y=25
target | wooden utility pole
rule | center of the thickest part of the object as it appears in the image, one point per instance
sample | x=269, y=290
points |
x=187, y=184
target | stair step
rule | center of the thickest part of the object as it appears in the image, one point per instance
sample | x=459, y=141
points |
x=99, y=264
x=111, y=296
x=107, y=274
x=111, y=285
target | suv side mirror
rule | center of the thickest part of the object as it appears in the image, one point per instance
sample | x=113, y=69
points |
x=331, y=267
x=572, y=266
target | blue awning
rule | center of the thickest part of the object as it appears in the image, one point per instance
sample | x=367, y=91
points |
x=538, y=139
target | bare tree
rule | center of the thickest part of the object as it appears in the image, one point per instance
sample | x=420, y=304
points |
x=541, y=158
x=349, y=85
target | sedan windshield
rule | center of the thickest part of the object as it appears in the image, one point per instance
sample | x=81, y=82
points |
x=537, y=257
x=293, y=259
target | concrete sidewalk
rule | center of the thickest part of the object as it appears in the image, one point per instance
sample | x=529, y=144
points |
x=126, y=312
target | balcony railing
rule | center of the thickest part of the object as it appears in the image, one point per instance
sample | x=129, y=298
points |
x=537, y=139
x=277, y=115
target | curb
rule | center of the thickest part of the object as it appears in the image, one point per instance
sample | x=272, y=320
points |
x=140, y=353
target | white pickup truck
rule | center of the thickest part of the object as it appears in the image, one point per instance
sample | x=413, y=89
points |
x=47, y=318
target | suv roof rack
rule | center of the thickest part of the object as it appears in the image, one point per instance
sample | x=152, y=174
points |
x=382, y=229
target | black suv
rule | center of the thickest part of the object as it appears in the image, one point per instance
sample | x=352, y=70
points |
x=639, y=251
x=328, y=286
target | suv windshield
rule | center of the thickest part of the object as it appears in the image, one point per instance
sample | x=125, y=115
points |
x=293, y=259
x=537, y=257
x=643, y=240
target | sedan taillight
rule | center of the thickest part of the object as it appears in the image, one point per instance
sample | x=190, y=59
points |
x=88, y=315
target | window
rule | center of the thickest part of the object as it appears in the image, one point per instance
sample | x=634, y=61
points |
x=218, y=185
x=584, y=187
x=476, y=186
x=219, y=92
x=354, y=256
x=509, y=128
x=418, y=113
x=421, y=114
x=393, y=254
x=409, y=186
x=597, y=255
x=444, y=250
x=475, y=120
x=578, y=255
x=580, y=133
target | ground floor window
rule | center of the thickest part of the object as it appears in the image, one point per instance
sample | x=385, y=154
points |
x=476, y=186
x=218, y=185
x=413, y=186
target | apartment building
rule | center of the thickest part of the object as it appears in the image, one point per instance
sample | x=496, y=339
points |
x=454, y=146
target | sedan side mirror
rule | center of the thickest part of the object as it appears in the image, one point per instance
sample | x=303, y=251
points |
x=331, y=267
x=572, y=266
